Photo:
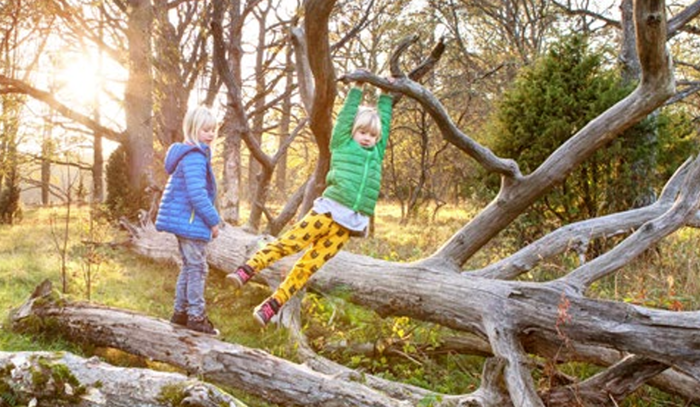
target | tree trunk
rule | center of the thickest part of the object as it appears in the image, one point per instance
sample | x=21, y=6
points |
x=644, y=167
x=321, y=66
x=46, y=153
x=285, y=124
x=232, y=127
x=97, y=150
x=170, y=83
x=138, y=98
x=256, y=185
x=10, y=178
x=259, y=177
x=97, y=170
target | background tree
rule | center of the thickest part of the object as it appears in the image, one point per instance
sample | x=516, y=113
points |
x=19, y=58
x=644, y=166
x=138, y=93
x=233, y=122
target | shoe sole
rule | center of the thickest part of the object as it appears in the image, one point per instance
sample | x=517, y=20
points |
x=234, y=280
x=259, y=319
x=215, y=333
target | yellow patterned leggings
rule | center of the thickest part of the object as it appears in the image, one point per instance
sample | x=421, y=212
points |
x=326, y=238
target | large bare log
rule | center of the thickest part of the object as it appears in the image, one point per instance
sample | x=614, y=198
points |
x=426, y=292
x=429, y=293
x=250, y=370
x=60, y=377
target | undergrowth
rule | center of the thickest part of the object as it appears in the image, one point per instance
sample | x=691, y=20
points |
x=395, y=348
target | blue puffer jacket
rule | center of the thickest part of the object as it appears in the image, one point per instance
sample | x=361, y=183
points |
x=187, y=206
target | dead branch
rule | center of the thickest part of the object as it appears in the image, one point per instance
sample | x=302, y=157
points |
x=577, y=236
x=645, y=237
x=609, y=386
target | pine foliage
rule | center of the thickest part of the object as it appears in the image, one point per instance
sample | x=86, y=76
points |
x=552, y=100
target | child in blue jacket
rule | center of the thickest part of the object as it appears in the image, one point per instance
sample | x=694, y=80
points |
x=187, y=210
x=358, y=143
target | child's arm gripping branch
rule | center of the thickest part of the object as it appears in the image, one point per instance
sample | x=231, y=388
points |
x=342, y=131
x=385, y=107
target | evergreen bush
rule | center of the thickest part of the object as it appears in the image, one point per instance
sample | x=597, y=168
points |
x=122, y=199
x=551, y=101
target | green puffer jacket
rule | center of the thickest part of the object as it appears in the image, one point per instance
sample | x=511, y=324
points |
x=355, y=173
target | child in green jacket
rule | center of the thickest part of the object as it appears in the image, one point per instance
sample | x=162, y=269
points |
x=357, y=147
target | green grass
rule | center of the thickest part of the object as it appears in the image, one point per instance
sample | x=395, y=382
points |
x=666, y=278
x=123, y=279
x=29, y=255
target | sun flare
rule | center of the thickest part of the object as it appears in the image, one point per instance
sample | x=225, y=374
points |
x=78, y=78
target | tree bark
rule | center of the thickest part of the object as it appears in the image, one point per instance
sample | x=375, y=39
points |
x=102, y=384
x=250, y=370
x=234, y=123
x=285, y=121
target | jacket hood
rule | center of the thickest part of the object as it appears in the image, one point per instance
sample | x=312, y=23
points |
x=179, y=150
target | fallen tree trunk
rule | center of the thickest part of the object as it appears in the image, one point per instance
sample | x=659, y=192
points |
x=250, y=370
x=60, y=378
x=551, y=319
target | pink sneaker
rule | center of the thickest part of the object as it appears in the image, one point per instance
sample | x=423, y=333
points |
x=264, y=312
x=241, y=276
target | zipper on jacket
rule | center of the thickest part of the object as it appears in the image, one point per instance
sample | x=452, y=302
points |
x=192, y=217
x=362, y=184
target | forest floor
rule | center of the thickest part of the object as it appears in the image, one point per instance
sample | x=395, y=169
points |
x=43, y=245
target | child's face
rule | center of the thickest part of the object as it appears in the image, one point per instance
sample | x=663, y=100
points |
x=206, y=134
x=364, y=138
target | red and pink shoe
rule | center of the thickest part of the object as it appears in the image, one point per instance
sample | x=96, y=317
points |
x=264, y=312
x=241, y=276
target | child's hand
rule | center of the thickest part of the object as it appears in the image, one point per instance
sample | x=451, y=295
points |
x=391, y=80
x=360, y=82
x=215, y=231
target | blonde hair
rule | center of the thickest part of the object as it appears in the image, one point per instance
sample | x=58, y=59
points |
x=195, y=120
x=367, y=119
